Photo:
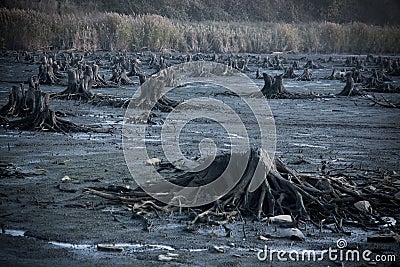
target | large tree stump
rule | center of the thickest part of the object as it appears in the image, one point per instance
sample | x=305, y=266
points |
x=274, y=88
x=16, y=106
x=135, y=70
x=267, y=84
x=20, y=102
x=79, y=89
x=265, y=189
x=151, y=95
x=99, y=81
x=43, y=118
x=47, y=75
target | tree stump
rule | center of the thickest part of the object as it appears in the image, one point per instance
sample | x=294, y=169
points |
x=34, y=107
x=16, y=106
x=274, y=88
x=47, y=75
x=289, y=73
x=99, y=81
x=79, y=89
x=120, y=77
x=151, y=96
x=348, y=89
x=311, y=65
x=267, y=84
x=135, y=70
x=306, y=76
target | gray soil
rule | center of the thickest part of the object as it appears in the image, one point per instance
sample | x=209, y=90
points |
x=59, y=225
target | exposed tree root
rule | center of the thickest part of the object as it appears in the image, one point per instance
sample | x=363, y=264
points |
x=33, y=108
x=283, y=191
x=78, y=88
x=349, y=89
x=383, y=102
x=43, y=118
x=151, y=95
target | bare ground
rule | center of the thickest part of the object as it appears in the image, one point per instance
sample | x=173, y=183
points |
x=343, y=131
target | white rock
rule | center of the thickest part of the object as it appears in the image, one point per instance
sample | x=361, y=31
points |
x=153, y=161
x=281, y=219
x=162, y=257
x=363, y=206
x=66, y=178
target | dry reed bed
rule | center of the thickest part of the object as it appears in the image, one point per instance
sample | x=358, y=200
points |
x=28, y=29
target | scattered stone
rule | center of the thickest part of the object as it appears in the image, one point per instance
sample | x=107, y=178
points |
x=219, y=249
x=153, y=161
x=66, y=178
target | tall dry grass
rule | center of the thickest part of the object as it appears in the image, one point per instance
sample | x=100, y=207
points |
x=27, y=29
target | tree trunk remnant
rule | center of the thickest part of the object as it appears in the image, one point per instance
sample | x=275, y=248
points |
x=267, y=84
x=34, y=107
x=274, y=88
x=16, y=106
x=79, y=89
x=43, y=118
x=47, y=75
x=289, y=73
x=99, y=81
x=306, y=76
x=348, y=89
x=280, y=191
x=151, y=96
x=135, y=70
x=120, y=76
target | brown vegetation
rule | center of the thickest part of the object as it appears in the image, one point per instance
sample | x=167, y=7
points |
x=27, y=29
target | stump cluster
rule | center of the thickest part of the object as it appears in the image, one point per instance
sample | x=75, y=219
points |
x=33, y=106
